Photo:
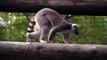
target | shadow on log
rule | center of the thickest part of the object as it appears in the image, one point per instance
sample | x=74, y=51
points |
x=51, y=51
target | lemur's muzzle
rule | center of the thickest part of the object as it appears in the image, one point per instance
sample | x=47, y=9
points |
x=75, y=30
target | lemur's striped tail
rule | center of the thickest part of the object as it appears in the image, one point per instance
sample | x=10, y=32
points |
x=31, y=26
x=30, y=29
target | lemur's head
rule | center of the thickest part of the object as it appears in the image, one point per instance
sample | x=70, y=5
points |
x=74, y=28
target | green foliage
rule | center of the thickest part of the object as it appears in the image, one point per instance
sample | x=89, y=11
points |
x=92, y=29
x=15, y=27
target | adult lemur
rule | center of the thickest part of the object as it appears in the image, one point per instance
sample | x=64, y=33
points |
x=46, y=23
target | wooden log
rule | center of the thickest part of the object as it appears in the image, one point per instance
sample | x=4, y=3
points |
x=51, y=51
x=75, y=7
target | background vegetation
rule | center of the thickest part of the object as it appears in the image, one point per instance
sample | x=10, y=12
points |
x=92, y=29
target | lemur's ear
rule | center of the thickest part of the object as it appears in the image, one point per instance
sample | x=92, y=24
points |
x=68, y=16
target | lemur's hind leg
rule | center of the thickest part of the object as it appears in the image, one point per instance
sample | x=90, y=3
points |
x=44, y=33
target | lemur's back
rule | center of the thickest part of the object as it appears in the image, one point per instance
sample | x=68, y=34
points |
x=50, y=15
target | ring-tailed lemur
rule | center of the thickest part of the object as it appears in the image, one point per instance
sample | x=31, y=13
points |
x=46, y=23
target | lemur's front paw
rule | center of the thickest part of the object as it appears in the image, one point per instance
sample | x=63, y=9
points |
x=42, y=41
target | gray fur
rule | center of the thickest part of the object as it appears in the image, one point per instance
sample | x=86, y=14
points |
x=48, y=23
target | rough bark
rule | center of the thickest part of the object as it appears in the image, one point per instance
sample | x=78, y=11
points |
x=51, y=51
